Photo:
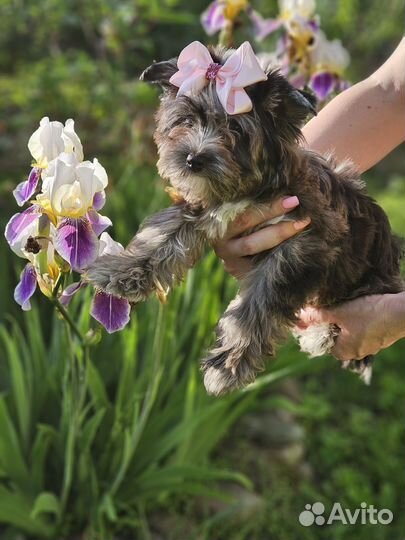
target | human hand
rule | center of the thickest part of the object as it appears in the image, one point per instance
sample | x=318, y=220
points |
x=234, y=248
x=368, y=324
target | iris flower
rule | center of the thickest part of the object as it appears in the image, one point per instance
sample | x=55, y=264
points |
x=219, y=12
x=329, y=60
x=296, y=16
x=59, y=231
x=110, y=311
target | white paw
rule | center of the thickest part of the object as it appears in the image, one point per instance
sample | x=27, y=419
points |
x=317, y=339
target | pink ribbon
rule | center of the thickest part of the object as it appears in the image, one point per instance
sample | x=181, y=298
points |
x=197, y=68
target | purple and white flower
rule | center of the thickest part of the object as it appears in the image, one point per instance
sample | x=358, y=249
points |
x=62, y=222
x=263, y=27
x=213, y=19
x=329, y=60
x=46, y=144
x=26, y=287
x=68, y=192
x=111, y=311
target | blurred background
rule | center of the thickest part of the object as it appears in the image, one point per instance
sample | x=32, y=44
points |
x=149, y=455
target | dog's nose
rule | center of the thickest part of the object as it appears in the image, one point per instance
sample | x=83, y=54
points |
x=194, y=162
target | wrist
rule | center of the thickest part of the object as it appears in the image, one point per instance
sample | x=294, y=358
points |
x=395, y=309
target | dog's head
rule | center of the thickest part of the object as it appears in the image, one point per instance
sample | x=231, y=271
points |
x=210, y=156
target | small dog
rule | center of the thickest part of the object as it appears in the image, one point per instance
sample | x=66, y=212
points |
x=220, y=164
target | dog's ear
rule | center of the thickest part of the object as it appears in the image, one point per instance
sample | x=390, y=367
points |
x=280, y=98
x=305, y=100
x=288, y=107
x=160, y=72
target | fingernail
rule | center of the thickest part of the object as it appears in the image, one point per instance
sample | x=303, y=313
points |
x=290, y=202
x=301, y=223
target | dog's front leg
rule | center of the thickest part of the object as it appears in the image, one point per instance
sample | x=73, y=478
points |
x=167, y=244
x=264, y=311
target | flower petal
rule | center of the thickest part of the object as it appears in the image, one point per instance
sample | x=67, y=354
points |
x=26, y=287
x=263, y=27
x=213, y=18
x=25, y=190
x=72, y=141
x=98, y=222
x=70, y=291
x=110, y=311
x=76, y=242
x=108, y=246
x=322, y=84
x=46, y=143
x=99, y=200
x=20, y=227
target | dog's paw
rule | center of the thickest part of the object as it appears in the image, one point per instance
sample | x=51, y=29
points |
x=120, y=275
x=220, y=381
x=225, y=372
x=317, y=339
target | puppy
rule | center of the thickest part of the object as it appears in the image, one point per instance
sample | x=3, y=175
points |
x=220, y=164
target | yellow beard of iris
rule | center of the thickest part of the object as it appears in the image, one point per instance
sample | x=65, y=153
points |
x=67, y=201
x=233, y=8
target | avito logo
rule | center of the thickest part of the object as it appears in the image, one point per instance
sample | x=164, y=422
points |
x=366, y=514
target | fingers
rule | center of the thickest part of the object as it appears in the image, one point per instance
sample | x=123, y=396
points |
x=266, y=238
x=254, y=216
x=344, y=348
x=238, y=268
x=311, y=315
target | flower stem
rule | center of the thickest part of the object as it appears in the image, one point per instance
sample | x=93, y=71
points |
x=226, y=35
x=73, y=326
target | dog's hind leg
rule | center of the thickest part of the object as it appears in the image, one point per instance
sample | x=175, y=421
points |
x=166, y=246
x=263, y=313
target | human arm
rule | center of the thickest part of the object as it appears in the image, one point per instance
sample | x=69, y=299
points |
x=367, y=324
x=365, y=122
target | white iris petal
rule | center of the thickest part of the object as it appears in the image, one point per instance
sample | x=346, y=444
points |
x=53, y=138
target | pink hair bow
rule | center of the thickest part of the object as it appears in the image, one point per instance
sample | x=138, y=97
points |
x=197, y=69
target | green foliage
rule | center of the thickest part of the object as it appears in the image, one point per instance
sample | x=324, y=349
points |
x=92, y=446
x=88, y=441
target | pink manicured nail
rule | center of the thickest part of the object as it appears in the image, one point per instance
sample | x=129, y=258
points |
x=302, y=223
x=290, y=202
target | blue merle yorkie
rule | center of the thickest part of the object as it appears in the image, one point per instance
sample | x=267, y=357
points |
x=228, y=134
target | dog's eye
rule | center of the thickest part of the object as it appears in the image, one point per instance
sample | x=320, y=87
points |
x=188, y=122
x=236, y=128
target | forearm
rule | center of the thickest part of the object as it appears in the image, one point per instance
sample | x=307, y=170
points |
x=367, y=121
x=396, y=314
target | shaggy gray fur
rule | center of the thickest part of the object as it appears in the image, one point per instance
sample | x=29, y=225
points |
x=221, y=164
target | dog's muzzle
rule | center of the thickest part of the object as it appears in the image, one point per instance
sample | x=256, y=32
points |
x=195, y=162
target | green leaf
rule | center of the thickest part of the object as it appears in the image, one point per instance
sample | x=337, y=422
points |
x=15, y=509
x=11, y=456
x=20, y=393
x=90, y=429
x=46, y=503
x=96, y=386
x=44, y=436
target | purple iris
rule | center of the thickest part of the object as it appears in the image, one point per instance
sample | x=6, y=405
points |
x=213, y=19
x=110, y=311
x=263, y=27
x=19, y=228
x=76, y=241
x=26, y=287
x=323, y=83
x=25, y=190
